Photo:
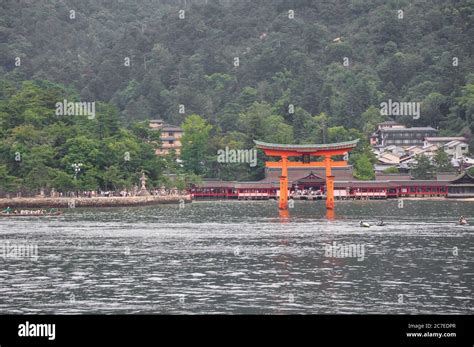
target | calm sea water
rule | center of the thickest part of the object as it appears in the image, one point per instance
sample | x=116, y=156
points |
x=241, y=258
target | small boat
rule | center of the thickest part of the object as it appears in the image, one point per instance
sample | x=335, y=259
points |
x=45, y=214
x=462, y=221
x=364, y=224
x=381, y=224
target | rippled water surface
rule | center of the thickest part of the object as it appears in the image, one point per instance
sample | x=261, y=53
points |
x=241, y=257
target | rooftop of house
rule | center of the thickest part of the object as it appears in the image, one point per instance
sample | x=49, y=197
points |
x=412, y=148
x=425, y=151
x=454, y=143
x=391, y=148
x=409, y=129
x=389, y=122
x=389, y=158
x=394, y=150
x=445, y=138
x=464, y=178
x=446, y=176
x=429, y=147
x=163, y=126
x=171, y=128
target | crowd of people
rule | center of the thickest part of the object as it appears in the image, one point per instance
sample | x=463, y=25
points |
x=9, y=210
x=97, y=193
x=122, y=193
x=306, y=192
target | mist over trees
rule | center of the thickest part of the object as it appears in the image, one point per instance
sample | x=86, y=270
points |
x=278, y=71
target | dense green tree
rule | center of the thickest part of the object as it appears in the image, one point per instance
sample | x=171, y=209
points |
x=39, y=152
x=423, y=169
x=303, y=126
x=434, y=109
x=442, y=162
x=276, y=130
x=195, y=144
x=9, y=183
x=370, y=118
x=363, y=169
x=191, y=61
x=391, y=170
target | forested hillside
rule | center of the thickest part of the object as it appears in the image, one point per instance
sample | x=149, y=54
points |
x=285, y=71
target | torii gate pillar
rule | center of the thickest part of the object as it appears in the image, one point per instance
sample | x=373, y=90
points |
x=283, y=205
x=329, y=183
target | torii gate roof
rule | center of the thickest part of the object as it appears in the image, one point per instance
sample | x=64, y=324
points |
x=307, y=148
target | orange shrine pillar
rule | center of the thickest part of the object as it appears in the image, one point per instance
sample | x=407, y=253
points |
x=329, y=183
x=283, y=205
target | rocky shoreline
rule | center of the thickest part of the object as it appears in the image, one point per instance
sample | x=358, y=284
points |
x=71, y=202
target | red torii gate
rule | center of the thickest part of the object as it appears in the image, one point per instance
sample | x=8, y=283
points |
x=305, y=152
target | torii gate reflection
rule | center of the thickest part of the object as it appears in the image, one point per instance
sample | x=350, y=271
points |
x=305, y=152
x=285, y=215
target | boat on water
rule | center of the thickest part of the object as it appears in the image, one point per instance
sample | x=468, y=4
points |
x=30, y=214
x=463, y=221
x=364, y=224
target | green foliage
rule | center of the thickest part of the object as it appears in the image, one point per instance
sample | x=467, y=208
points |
x=185, y=181
x=9, y=183
x=442, y=162
x=195, y=142
x=423, y=170
x=283, y=63
x=391, y=170
x=370, y=118
x=39, y=148
x=363, y=169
